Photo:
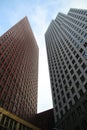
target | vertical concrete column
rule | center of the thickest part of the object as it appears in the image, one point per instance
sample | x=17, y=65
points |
x=1, y=116
x=18, y=126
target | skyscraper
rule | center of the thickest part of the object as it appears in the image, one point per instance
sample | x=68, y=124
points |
x=19, y=70
x=66, y=43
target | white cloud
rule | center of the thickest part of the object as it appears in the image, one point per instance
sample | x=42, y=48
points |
x=82, y=4
x=39, y=23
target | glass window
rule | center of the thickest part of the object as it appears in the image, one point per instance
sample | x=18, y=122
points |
x=85, y=44
x=85, y=86
x=82, y=78
x=81, y=92
x=83, y=65
x=73, y=90
x=79, y=72
x=75, y=98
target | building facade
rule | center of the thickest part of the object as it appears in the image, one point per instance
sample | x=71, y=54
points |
x=66, y=43
x=9, y=121
x=44, y=120
x=19, y=70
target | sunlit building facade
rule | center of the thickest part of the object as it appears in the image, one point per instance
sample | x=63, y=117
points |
x=19, y=70
x=66, y=43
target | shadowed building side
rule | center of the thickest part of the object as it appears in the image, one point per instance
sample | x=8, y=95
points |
x=44, y=120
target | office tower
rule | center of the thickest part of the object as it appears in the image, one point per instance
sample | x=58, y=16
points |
x=66, y=43
x=19, y=70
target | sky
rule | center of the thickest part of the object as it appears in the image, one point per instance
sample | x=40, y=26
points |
x=39, y=13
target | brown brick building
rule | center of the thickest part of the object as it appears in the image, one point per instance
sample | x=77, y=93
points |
x=19, y=70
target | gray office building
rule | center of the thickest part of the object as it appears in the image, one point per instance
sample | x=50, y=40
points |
x=66, y=43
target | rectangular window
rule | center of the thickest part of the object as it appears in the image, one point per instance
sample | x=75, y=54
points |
x=74, y=77
x=56, y=108
x=61, y=112
x=75, y=98
x=68, y=95
x=81, y=92
x=76, y=66
x=64, y=100
x=62, y=92
x=69, y=66
x=80, y=60
x=55, y=101
x=70, y=103
x=73, y=90
x=85, y=105
x=73, y=61
x=77, y=56
x=85, y=44
x=85, y=86
x=82, y=78
x=83, y=66
x=58, y=97
x=71, y=71
x=77, y=84
x=79, y=72
x=81, y=50
x=60, y=105
x=66, y=88
x=66, y=108
x=70, y=83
